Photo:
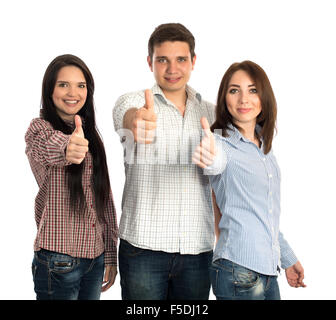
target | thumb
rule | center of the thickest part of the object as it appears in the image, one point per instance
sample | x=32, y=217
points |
x=205, y=126
x=78, y=123
x=149, y=100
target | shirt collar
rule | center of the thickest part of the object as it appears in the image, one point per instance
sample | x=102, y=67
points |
x=192, y=94
x=235, y=136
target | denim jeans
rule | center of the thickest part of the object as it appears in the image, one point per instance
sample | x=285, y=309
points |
x=158, y=275
x=231, y=281
x=61, y=277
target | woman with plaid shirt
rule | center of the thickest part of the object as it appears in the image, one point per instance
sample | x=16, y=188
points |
x=74, y=210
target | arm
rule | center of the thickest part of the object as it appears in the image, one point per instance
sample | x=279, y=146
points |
x=293, y=269
x=110, y=235
x=209, y=155
x=45, y=145
x=140, y=121
x=52, y=147
x=217, y=215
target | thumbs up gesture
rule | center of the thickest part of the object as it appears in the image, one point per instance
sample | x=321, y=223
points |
x=78, y=145
x=144, y=123
x=205, y=153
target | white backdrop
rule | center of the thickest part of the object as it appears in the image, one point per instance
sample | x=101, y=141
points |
x=291, y=40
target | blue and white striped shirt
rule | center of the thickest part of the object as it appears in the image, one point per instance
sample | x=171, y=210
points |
x=246, y=183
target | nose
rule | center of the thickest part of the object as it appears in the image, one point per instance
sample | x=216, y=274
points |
x=71, y=91
x=243, y=97
x=172, y=67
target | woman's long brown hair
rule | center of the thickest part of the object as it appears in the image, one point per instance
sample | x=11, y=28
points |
x=267, y=117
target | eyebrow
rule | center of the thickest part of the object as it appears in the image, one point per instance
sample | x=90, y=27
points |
x=81, y=82
x=238, y=86
x=165, y=57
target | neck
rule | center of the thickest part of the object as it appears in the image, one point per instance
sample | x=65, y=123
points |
x=178, y=98
x=248, y=131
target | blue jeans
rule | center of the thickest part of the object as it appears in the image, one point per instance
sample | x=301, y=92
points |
x=158, y=275
x=61, y=277
x=231, y=281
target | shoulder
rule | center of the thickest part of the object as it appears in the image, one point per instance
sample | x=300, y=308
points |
x=38, y=124
x=131, y=98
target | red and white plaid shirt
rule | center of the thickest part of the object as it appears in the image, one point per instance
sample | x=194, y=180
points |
x=78, y=234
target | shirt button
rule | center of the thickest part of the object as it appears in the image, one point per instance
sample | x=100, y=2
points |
x=93, y=225
x=270, y=176
x=270, y=210
x=264, y=159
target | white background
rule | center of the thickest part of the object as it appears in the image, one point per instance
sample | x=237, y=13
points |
x=291, y=40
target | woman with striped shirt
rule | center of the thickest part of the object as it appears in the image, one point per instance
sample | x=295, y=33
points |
x=74, y=210
x=245, y=178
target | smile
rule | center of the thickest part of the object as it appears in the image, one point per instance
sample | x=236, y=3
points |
x=71, y=102
x=244, y=110
x=173, y=80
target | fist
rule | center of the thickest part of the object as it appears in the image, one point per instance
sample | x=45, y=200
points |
x=78, y=146
x=144, y=123
x=205, y=153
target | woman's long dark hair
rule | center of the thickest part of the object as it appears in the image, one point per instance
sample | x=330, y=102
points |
x=100, y=177
x=266, y=119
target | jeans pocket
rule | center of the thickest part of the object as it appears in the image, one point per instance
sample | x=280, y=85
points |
x=244, y=277
x=62, y=263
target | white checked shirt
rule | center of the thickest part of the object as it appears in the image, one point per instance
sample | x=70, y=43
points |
x=166, y=202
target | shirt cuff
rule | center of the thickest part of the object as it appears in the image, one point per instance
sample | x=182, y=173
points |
x=110, y=258
x=288, y=259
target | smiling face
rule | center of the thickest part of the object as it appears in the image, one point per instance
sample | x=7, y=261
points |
x=242, y=99
x=70, y=92
x=172, y=65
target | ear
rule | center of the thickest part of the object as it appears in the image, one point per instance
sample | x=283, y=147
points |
x=193, y=62
x=149, y=61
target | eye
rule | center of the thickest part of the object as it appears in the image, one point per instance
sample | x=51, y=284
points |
x=82, y=86
x=253, y=90
x=181, y=59
x=233, y=90
x=162, y=60
x=62, y=84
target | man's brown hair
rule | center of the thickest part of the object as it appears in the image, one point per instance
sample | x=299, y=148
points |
x=171, y=32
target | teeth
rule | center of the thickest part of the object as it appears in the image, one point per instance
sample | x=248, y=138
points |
x=71, y=101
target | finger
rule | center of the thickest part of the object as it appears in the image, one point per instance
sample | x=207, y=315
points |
x=78, y=122
x=198, y=162
x=149, y=100
x=208, y=144
x=205, y=154
x=205, y=126
x=79, y=141
x=146, y=122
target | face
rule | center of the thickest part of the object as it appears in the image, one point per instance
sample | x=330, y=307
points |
x=70, y=92
x=242, y=99
x=172, y=65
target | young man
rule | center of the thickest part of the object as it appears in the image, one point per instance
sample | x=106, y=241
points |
x=167, y=222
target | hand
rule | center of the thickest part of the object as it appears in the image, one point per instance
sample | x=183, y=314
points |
x=205, y=153
x=109, y=277
x=144, y=123
x=78, y=145
x=295, y=275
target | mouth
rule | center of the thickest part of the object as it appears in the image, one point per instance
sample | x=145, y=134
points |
x=244, y=110
x=172, y=80
x=71, y=103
